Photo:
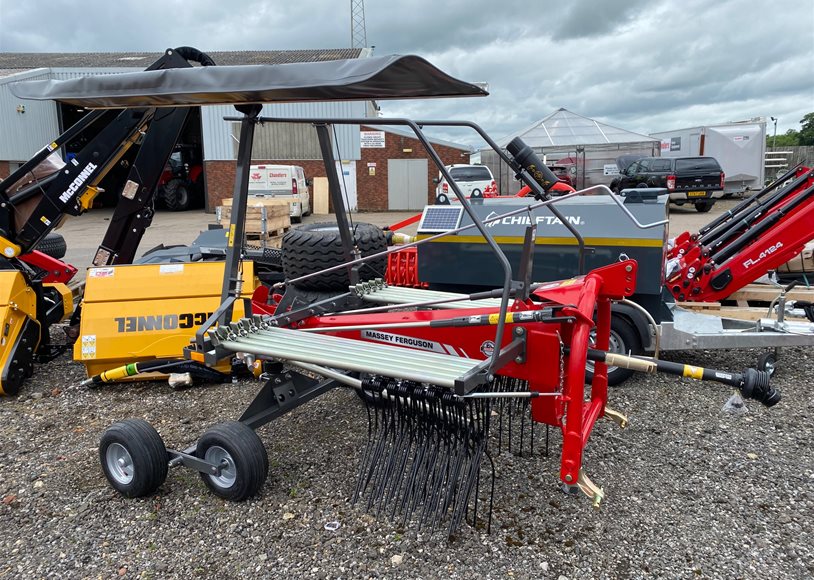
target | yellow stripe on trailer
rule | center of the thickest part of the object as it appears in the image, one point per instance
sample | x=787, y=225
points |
x=550, y=241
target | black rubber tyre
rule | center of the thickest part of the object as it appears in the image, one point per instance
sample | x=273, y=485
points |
x=704, y=206
x=642, y=185
x=53, y=245
x=623, y=340
x=177, y=196
x=315, y=247
x=247, y=462
x=134, y=458
x=767, y=362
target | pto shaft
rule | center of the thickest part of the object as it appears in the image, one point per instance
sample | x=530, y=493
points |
x=753, y=384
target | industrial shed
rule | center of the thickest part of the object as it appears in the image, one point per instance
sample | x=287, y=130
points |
x=368, y=168
x=589, y=149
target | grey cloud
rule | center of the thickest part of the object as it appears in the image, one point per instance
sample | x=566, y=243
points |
x=643, y=66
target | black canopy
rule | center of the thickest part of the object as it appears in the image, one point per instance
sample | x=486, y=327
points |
x=387, y=77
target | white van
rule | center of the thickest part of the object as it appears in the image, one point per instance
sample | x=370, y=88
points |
x=474, y=180
x=282, y=182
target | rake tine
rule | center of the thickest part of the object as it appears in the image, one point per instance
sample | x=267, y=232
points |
x=434, y=470
x=461, y=455
x=425, y=461
x=404, y=457
x=522, y=428
x=381, y=460
x=366, y=453
x=442, y=478
x=368, y=466
x=377, y=467
x=397, y=447
x=531, y=435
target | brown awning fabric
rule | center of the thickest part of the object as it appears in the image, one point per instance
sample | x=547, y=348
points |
x=378, y=78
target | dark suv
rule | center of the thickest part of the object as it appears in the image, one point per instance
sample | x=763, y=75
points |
x=696, y=180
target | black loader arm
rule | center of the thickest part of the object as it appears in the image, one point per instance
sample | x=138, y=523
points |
x=31, y=208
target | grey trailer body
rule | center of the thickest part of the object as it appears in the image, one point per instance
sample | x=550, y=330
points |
x=464, y=261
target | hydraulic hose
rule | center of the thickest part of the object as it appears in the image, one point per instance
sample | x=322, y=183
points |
x=159, y=365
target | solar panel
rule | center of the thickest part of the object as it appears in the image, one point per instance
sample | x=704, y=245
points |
x=440, y=218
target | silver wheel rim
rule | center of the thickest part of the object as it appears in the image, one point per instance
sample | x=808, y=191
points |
x=614, y=346
x=228, y=474
x=119, y=463
x=768, y=366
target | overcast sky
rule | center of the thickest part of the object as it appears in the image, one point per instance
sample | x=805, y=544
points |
x=641, y=65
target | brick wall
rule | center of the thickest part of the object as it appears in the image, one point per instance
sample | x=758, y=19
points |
x=4, y=169
x=220, y=182
x=371, y=189
x=220, y=177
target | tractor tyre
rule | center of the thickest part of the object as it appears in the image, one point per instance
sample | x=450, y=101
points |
x=177, y=196
x=134, y=458
x=242, y=455
x=623, y=340
x=53, y=245
x=315, y=247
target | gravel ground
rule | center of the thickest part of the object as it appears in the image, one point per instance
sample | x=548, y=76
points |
x=690, y=491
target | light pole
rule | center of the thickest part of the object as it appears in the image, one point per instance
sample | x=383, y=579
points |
x=774, y=139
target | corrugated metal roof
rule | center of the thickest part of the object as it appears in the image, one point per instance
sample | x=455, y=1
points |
x=29, y=60
x=562, y=128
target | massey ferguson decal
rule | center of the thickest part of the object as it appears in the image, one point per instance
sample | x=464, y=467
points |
x=487, y=348
x=764, y=254
x=409, y=341
x=525, y=220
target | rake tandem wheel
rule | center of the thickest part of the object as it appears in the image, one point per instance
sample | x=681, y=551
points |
x=133, y=457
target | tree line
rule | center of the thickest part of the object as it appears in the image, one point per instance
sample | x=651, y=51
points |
x=805, y=136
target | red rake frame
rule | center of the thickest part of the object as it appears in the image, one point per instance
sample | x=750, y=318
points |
x=556, y=351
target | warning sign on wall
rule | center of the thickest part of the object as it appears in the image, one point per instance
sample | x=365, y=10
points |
x=372, y=139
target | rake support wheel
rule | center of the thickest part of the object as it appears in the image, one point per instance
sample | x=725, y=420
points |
x=134, y=458
x=242, y=456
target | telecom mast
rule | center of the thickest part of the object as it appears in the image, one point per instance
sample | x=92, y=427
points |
x=358, y=36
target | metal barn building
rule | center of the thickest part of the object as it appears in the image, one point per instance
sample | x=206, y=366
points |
x=26, y=126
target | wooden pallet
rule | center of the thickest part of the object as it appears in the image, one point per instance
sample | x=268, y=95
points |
x=278, y=233
x=763, y=294
x=264, y=242
x=738, y=312
x=750, y=302
x=264, y=216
